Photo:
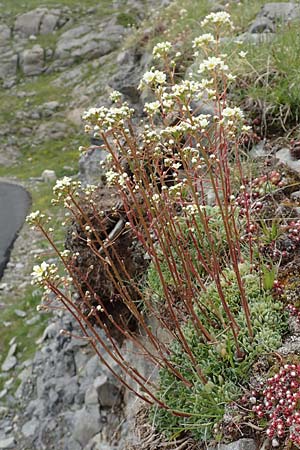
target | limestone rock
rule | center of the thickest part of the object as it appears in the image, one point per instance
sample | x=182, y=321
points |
x=86, y=42
x=50, y=22
x=29, y=23
x=48, y=176
x=90, y=170
x=32, y=60
x=9, y=363
x=295, y=196
x=109, y=394
x=87, y=423
x=8, y=65
x=284, y=157
x=5, y=34
x=7, y=443
x=262, y=25
x=20, y=313
x=281, y=11
x=241, y=444
x=29, y=428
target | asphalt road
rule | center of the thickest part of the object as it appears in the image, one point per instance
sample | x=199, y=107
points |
x=14, y=206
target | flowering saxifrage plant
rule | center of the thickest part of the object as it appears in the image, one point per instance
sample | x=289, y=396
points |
x=161, y=173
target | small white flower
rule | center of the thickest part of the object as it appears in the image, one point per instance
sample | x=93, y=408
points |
x=161, y=49
x=152, y=107
x=115, y=96
x=243, y=54
x=153, y=77
x=217, y=18
x=203, y=40
x=212, y=63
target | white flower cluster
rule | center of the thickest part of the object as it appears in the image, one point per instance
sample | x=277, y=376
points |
x=185, y=87
x=104, y=118
x=115, y=96
x=151, y=136
x=218, y=18
x=230, y=116
x=64, y=185
x=191, y=209
x=161, y=49
x=152, y=108
x=35, y=217
x=43, y=272
x=189, y=125
x=211, y=64
x=203, y=40
x=111, y=177
x=152, y=78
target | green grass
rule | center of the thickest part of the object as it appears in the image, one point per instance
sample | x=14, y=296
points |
x=25, y=334
x=60, y=155
x=21, y=6
x=270, y=77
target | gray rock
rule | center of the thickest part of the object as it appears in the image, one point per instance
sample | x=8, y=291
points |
x=12, y=349
x=280, y=11
x=127, y=78
x=32, y=61
x=49, y=23
x=51, y=106
x=20, y=313
x=284, y=157
x=3, y=411
x=48, y=176
x=262, y=25
x=48, y=131
x=258, y=150
x=9, y=363
x=5, y=34
x=109, y=394
x=29, y=23
x=87, y=423
x=83, y=42
x=295, y=196
x=90, y=171
x=29, y=428
x=8, y=65
x=255, y=38
x=241, y=444
x=7, y=443
x=3, y=393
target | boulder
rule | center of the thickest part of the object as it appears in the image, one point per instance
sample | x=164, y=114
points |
x=90, y=171
x=5, y=34
x=9, y=363
x=32, y=61
x=280, y=11
x=8, y=65
x=241, y=444
x=49, y=176
x=50, y=22
x=262, y=25
x=28, y=24
x=7, y=443
x=88, y=43
x=87, y=423
x=109, y=395
x=284, y=156
x=29, y=428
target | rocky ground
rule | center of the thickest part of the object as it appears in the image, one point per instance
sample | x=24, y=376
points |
x=66, y=399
